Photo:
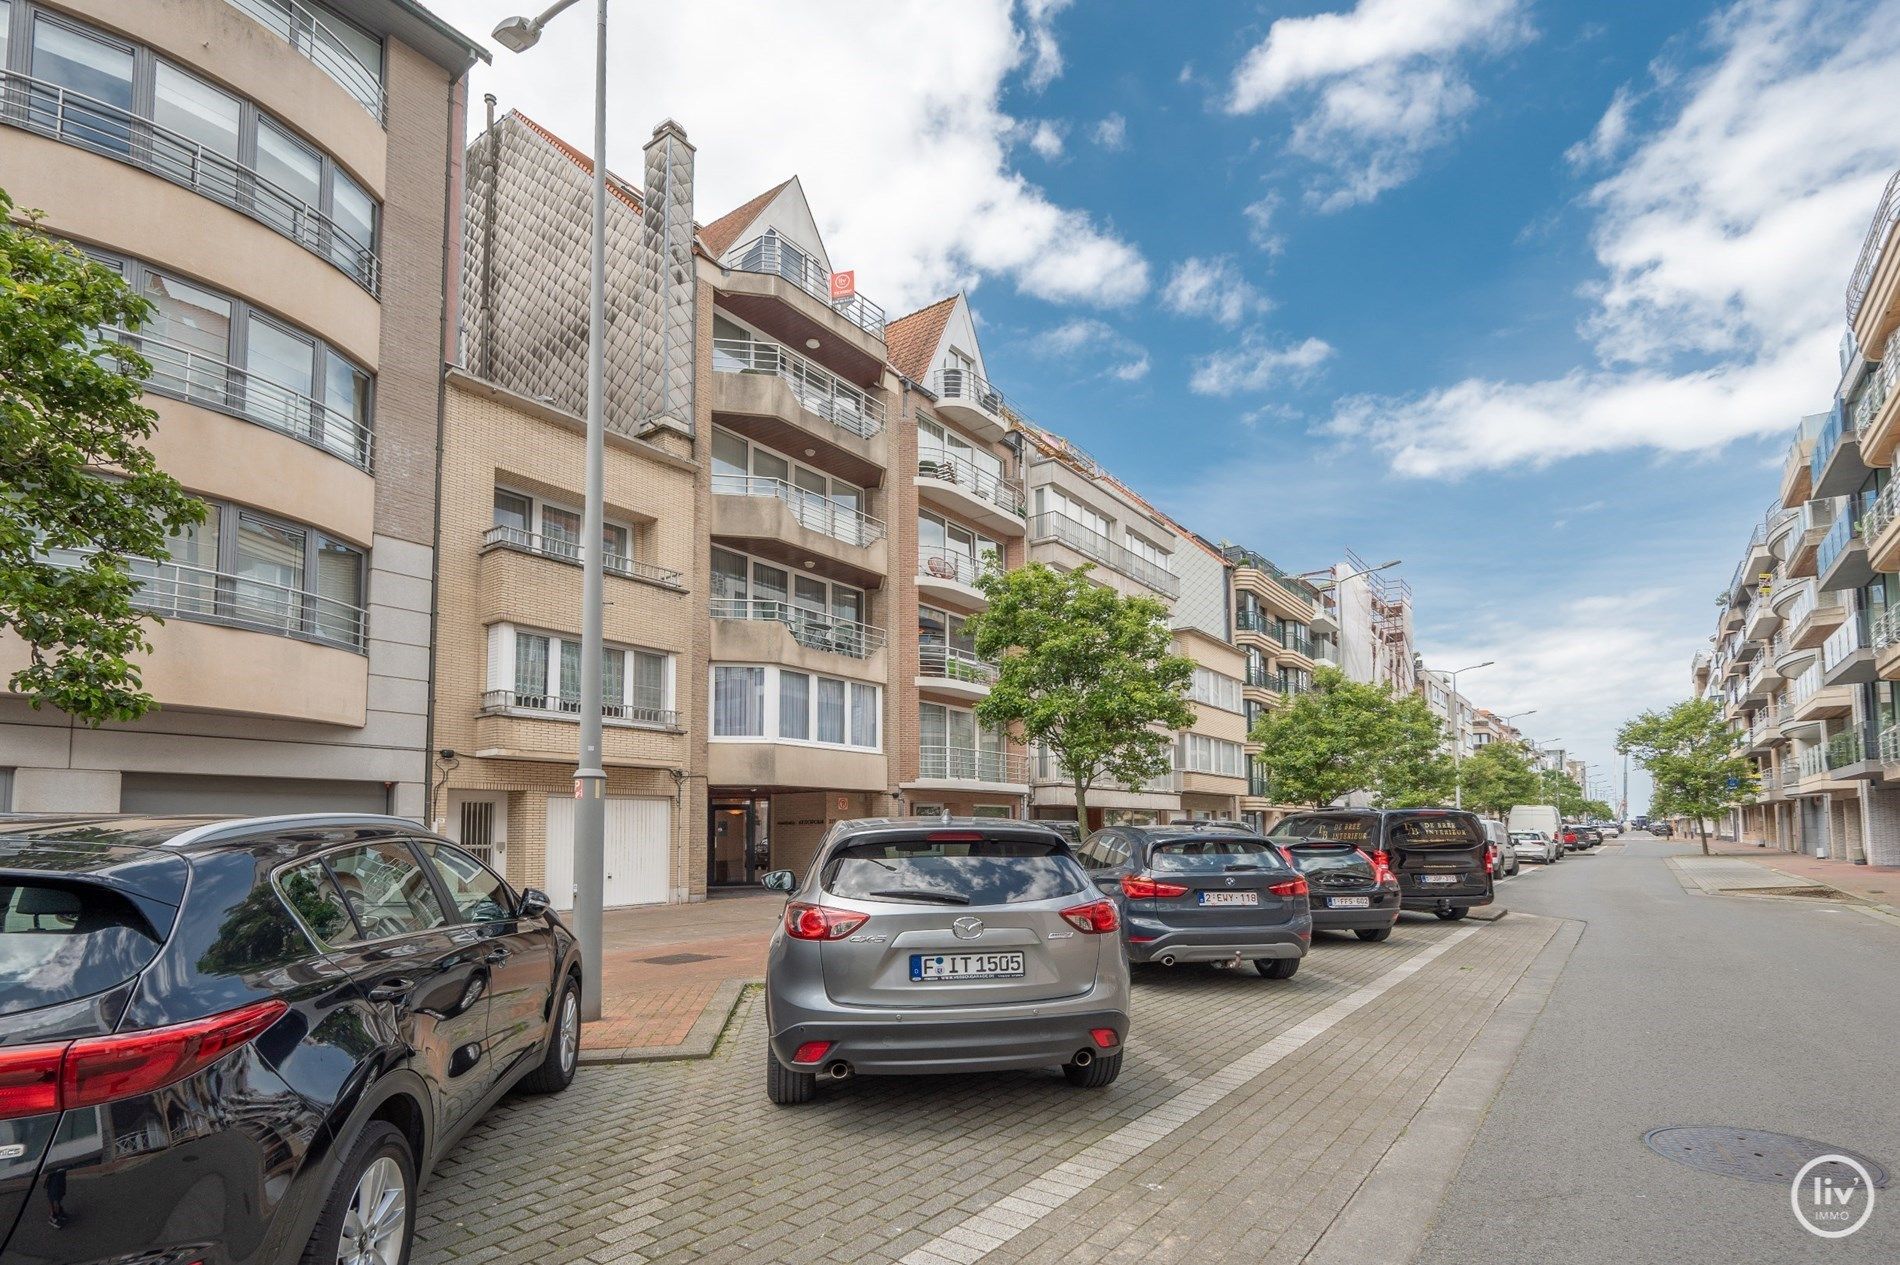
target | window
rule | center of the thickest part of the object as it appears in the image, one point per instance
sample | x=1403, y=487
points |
x=353, y=224
x=198, y=323
x=831, y=695
x=386, y=890
x=209, y=121
x=91, y=67
x=514, y=511
x=738, y=702
x=542, y=672
x=751, y=588
x=1215, y=689
x=556, y=530
x=786, y=706
x=794, y=705
x=1199, y=753
x=270, y=568
x=62, y=941
x=1050, y=500
x=734, y=458
x=863, y=715
x=967, y=552
x=477, y=893
x=1146, y=549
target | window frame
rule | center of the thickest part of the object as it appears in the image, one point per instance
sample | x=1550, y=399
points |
x=769, y=715
x=322, y=858
x=538, y=505
x=504, y=637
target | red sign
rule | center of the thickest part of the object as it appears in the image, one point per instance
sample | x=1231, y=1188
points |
x=843, y=285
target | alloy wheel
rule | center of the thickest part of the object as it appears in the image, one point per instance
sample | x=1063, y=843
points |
x=570, y=1031
x=379, y=1213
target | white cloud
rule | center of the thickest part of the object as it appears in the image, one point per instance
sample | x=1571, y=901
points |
x=1260, y=213
x=1214, y=288
x=1111, y=133
x=1085, y=338
x=1255, y=366
x=1381, y=84
x=1046, y=139
x=894, y=122
x=1725, y=240
x=1132, y=371
x=1607, y=137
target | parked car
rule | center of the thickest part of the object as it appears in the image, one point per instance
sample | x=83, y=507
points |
x=1536, y=818
x=1203, y=892
x=1437, y=854
x=1503, y=855
x=1535, y=845
x=1661, y=829
x=1350, y=889
x=251, y=1039
x=1578, y=837
x=928, y=944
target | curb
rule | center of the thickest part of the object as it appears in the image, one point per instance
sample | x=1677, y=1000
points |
x=699, y=1043
x=1489, y=913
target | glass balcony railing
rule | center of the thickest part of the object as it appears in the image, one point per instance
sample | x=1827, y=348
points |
x=1886, y=215
x=953, y=663
x=814, y=630
x=1842, y=644
x=809, y=509
x=1890, y=744
x=1813, y=762
x=819, y=391
x=1838, y=540
x=1845, y=749
x=1886, y=628
x=1837, y=427
x=1093, y=545
x=774, y=256
x=1806, y=685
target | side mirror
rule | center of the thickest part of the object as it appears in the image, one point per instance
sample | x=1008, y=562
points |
x=779, y=880
x=534, y=903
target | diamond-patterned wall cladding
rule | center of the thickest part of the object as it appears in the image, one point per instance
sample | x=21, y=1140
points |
x=525, y=276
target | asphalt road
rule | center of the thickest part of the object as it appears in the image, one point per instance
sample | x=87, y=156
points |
x=1676, y=1008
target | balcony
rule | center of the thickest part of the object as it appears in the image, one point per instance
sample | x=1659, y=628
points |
x=1842, y=557
x=785, y=293
x=1755, y=559
x=971, y=402
x=1094, y=547
x=780, y=398
x=799, y=529
x=1836, y=468
x=1058, y=789
x=1762, y=618
x=1290, y=595
x=1886, y=639
x=1890, y=746
x=1873, y=291
x=1813, y=615
x=814, y=630
x=1880, y=411
x=1847, y=757
x=974, y=494
x=965, y=768
x=307, y=34
x=565, y=550
x=562, y=707
x=953, y=670
x=1880, y=528
x=1781, y=522
x=45, y=108
x=950, y=576
x=1812, y=697
x=1812, y=525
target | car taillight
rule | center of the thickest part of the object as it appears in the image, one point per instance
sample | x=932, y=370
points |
x=1147, y=886
x=1097, y=917
x=1292, y=887
x=1490, y=856
x=37, y=1079
x=1382, y=869
x=816, y=922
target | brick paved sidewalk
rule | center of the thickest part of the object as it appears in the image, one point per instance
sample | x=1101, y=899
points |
x=674, y=972
x=1873, y=884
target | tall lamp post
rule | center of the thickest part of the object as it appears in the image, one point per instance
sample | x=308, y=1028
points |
x=1458, y=736
x=590, y=778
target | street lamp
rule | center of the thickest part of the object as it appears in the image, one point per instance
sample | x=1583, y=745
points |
x=590, y=778
x=1458, y=734
x=1333, y=583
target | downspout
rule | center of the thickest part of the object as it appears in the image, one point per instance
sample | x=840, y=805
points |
x=491, y=169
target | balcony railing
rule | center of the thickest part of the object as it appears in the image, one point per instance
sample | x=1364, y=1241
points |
x=949, y=564
x=1842, y=644
x=1838, y=540
x=570, y=708
x=88, y=123
x=818, y=390
x=564, y=549
x=185, y=374
x=1886, y=215
x=821, y=514
x=1886, y=629
x=1806, y=685
x=1890, y=745
x=1094, y=545
x=965, y=764
x=1844, y=749
x=1837, y=427
x=1265, y=680
x=952, y=383
x=954, y=664
x=305, y=32
x=1816, y=513
x=1884, y=510
x=172, y=590
x=773, y=255
x=1259, y=782
x=935, y=463
x=1873, y=394
x=1814, y=762
x=814, y=630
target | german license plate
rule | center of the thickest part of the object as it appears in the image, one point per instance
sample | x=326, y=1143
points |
x=928, y=968
x=1349, y=902
x=1230, y=898
x=1441, y=878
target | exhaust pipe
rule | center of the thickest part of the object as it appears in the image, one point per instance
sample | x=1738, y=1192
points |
x=839, y=1071
x=1083, y=1057
x=1167, y=959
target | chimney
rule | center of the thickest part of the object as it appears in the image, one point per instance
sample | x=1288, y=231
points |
x=666, y=248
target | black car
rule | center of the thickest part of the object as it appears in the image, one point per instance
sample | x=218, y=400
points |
x=248, y=1040
x=1350, y=889
x=1206, y=892
x=1437, y=854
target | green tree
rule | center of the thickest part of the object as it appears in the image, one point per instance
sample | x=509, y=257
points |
x=74, y=475
x=1326, y=743
x=1498, y=777
x=1415, y=769
x=1083, y=671
x=1689, y=753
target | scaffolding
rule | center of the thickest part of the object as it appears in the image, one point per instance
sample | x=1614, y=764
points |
x=1388, y=602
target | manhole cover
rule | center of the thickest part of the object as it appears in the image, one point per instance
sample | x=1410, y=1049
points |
x=1749, y=1154
x=679, y=959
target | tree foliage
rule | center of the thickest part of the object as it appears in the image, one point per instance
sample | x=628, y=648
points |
x=1689, y=753
x=1416, y=771
x=74, y=475
x=1346, y=736
x=1083, y=671
x=1499, y=776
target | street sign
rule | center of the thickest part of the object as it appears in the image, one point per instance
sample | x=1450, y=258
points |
x=1735, y=784
x=843, y=285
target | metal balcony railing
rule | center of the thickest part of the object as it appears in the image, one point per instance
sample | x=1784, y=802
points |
x=1004, y=494
x=570, y=708
x=1842, y=644
x=1264, y=680
x=1873, y=394
x=954, y=664
x=774, y=256
x=1886, y=630
x=1813, y=762
x=1844, y=749
x=1884, y=510
x=1244, y=557
x=305, y=32
x=1259, y=783
x=1890, y=745
x=564, y=549
x=1090, y=544
x=953, y=384
x=184, y=374
x=814, y=630
x=967, y=764
x=821, y=514
x=1886, y=215
x=172, y=590
x=818, y=390
x=1806, y=685
x=949, y=564
x=37, y=105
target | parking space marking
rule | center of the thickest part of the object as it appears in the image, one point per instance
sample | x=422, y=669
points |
x=983, y=1232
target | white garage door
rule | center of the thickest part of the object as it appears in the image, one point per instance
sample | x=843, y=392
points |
x=638, y=832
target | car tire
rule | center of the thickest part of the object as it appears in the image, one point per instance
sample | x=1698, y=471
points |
x=1277, y=968
x=380, y=1162
x=786, y=1086
x=1099, y=1074
x=1452, y=915
x=1374, y=934
x=563, y=1056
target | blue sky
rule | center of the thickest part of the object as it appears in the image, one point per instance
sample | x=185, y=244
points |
x=1528, y=293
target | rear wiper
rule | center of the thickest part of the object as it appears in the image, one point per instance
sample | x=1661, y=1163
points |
x=919, y=893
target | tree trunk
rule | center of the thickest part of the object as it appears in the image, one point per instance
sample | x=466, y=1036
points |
x=1081, y=807
x=1703, y=826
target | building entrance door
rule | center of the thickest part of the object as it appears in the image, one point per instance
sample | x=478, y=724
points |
x=732, y=853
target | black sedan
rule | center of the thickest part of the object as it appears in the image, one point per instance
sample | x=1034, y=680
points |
x=1350, y=889
x=249, y=1040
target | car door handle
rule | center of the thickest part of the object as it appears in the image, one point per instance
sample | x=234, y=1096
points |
x=391, y=990
x=496, y=957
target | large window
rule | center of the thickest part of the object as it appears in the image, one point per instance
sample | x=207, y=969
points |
x=784, y=705
x=1215, y=689
x=547, y=527
x=949, y=550
x=539, y=671
x=953, y=744
x=1051, y=500
x=1202, y=754
x=737, y=460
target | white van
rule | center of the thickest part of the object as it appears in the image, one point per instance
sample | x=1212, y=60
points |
x=1541, y=818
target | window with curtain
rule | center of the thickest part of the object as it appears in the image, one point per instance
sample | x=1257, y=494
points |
x=649, y=681
x=531, y=666
x=831, y=706
x=513, y=510
x=729, y=571
x=863, y=715
x=339, y=590
x=613, y=679
x=738, y=702
x=561, y=531
x=794, y=705
x=570, y=675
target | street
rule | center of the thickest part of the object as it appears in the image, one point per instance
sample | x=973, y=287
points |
x=1325, y=1118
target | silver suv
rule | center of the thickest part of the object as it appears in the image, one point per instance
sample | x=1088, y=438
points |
x=942, y=945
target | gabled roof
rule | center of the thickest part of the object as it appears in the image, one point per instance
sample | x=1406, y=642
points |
x=615, y=185
x=718, y=237
x=911, y=341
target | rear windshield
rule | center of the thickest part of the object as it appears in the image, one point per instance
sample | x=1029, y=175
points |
x=1526, y=836
x=1343, y=829
x=954, y=871
x=1330, y=859
x=1427, y=832
x=62, y=941
x=1213, y=856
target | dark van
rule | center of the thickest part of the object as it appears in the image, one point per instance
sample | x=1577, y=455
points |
x=1437, y=854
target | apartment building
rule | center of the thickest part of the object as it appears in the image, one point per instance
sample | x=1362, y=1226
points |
x=958, y=506
x=274, y=175
x=507, y=688
x=1284, y=631
x=1453, y=709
